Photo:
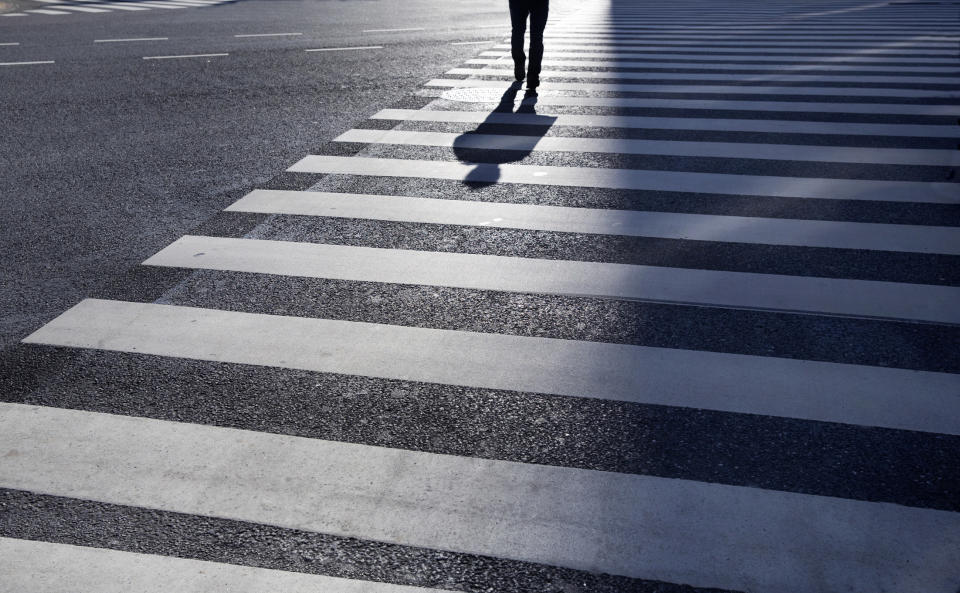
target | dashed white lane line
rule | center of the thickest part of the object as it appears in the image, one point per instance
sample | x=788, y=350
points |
x=345, y=48
x=131, y=39
x=268, y=34
x=15, y=14
x=184, y=56
x=393, y=30
x=10, y=43
x=25, y=63
x=81, y=8
x=45, y=11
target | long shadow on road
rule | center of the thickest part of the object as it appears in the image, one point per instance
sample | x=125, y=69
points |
x=505, y=136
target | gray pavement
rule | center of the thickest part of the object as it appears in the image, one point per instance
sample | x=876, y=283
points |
x=370, y=320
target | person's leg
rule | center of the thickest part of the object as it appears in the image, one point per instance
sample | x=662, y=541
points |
x=538, y=22
x=518, y=19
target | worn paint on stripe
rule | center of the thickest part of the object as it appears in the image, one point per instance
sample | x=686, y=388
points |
x=637, y=526
x=667, y=225
x=41, y=566
x=637, y=179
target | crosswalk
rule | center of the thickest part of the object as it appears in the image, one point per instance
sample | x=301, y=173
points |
x=684, y=321
x=66, y=7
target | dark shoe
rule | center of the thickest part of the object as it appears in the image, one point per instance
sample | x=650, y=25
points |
x=532, y=83
x=518, y=72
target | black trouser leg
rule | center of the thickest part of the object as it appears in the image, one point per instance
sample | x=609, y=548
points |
x=538, y=22
x=518, y=19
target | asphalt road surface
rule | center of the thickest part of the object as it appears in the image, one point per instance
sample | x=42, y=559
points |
x=308, y=296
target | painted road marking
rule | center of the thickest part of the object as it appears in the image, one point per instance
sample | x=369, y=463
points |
x=268, y=35
x=667, y=225
x=575, y=518
x=393, y=30
x=132, y=39
x=747, y=290
x=728, y=150
x=346, y=48
x=638, y=179
x=671, y=123
x=26, y=63
x=183, y=56
x=26, y=564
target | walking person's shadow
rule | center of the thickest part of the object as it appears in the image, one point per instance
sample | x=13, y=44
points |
x=501, y=138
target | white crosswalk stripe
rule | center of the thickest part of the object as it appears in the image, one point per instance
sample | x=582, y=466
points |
x=62, y=7
x=671, y=123
x=741, y=150
x=687, y=170
x=41, y=567
x=699, y=227
x=569, y=517
x=846, y=91
x=637, y=179
x=805, y=389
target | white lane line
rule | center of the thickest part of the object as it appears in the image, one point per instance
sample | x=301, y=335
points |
x=643, y=63
x=750, y=106
x=268, y=35
x=472, y=42
x=729, y=150
x=346, y=48
x=10, y=43
x=637, y=179
x=750, y=50
x=672, y=123
x=183, y=56
x=45, y=11
x=15, y=14
x=80, y=8
x=640, y=87
x=626, y=524
x=784, y=59
x=118, y=6
x=832, y=296
x=161, y=5
x=42, y=566
x=26, y=63
x=394, y=30
x=132, y=39
x=667, y=225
